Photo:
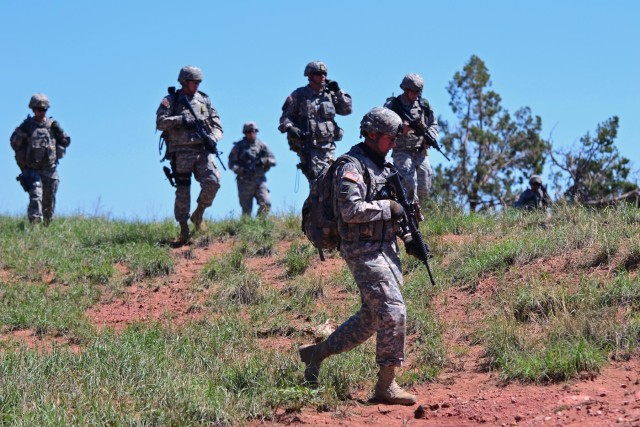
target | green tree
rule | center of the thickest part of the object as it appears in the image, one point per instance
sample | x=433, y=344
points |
x=490, y=150
x=594, y=170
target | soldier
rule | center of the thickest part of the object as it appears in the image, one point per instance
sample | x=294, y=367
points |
x=39, y=143
x=367, y=225
x=250, y=159
x=420, y=131
x=308, y=119
x=535, y=197
x=186, y=149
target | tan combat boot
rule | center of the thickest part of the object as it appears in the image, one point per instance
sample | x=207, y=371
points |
x=196, y=217
x=312, y=356
x=184, y=233
x=387, y=390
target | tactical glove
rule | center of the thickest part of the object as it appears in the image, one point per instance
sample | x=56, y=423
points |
x=410, y=246
x=265, y=164
x=295, y=132
x=397, y=211
x=333, y=86
x=188, y=122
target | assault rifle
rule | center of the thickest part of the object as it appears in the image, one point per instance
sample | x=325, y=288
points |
x=420, y=130
x=201, y=127
x=305, y=150
x=409, y=224
x=417, y=125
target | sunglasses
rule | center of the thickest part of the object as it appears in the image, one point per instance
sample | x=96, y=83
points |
x=320, y=73
x=41, y=110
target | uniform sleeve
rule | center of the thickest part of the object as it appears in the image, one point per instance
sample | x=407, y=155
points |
x=18, y=138
x=351, y=191
x=215, y=124
x=164, y=120
x=343, y=103
x=267, y=156
x=233, y=157
x=288, y=117
x=431, y=124
x=62, y=139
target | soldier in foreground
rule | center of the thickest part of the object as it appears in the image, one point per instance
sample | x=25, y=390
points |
x=39, y=143
x=420, y=131
x=250, y=159
x=535, y=197
x=191, y=140
x=367, y=224
x=308, y=118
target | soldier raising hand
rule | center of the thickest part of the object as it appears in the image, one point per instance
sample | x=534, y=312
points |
x=308, y=118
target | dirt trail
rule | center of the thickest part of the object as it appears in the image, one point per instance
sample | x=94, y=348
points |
x=465, y=393
x=174, y=298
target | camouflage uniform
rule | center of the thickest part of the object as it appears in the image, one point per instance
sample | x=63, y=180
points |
x=410, y=154
x=368, y=245
x=186, y=150
x=38, y=148
x=531, y=199
x=250, y=160
x=313, y=112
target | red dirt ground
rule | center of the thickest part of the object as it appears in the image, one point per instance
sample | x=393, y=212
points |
x=464, y=393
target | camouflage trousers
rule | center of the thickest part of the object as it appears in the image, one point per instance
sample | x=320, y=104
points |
x=42, y=195
x=379, y=277
x=415, y=169
x=201, y=164
x=248, y=189
x=314, y=160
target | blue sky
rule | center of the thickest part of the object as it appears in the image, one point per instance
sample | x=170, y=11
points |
x=106, y=67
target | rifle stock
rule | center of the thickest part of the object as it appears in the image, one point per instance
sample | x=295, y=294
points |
x=410, y=222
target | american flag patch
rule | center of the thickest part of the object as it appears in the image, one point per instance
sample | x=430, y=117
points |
x=352, y=176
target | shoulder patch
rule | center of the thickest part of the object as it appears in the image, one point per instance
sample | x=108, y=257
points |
x=165, y=103
x=353, y=176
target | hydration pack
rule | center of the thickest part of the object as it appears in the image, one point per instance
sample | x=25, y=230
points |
x=319, y=216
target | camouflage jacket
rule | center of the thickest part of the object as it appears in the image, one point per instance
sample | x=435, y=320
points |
x=364, y=221
x=169, y=119
x=314, y=113
x=530, y=199
x=39, y=145
x=419, y=111
x=250, y=159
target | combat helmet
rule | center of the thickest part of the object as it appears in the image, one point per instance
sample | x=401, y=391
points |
x=189, y=72
x=315, y=67
x=381, y=120
x=39, y=100
x=412, y=82
x=250, y=126
x=535, y=179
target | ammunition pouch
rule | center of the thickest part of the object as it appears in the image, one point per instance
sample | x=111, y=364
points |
x=327, y=110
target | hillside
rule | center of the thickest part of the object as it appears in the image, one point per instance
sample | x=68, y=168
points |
x=534, y=321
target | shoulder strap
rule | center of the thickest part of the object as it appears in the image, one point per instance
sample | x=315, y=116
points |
x=362, y=168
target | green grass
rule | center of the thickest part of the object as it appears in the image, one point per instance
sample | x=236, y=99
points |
x=224, y=369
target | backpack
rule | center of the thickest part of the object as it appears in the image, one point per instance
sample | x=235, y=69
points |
x=41, y=149
x=319, y=218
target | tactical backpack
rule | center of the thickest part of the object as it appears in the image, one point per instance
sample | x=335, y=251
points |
x=41, y=149
x=319, y=217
